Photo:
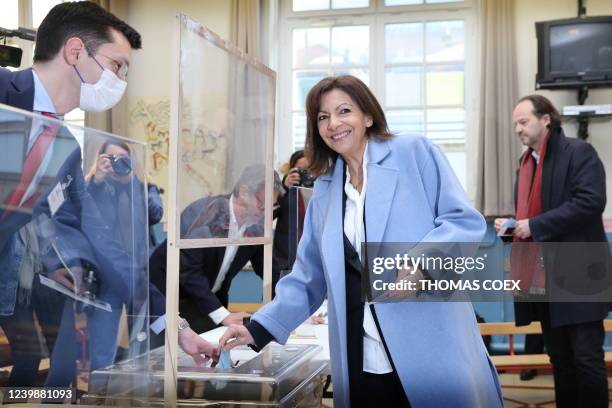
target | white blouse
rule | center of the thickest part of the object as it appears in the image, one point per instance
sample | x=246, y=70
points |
x=375, y=358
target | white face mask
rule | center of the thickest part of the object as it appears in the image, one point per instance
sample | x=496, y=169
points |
x=102, y=95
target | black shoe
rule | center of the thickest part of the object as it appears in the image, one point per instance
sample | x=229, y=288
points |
x=528, y=374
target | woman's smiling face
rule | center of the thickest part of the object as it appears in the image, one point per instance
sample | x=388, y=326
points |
x=342, y=124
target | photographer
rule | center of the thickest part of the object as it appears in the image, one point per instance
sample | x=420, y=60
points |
x=297, y=175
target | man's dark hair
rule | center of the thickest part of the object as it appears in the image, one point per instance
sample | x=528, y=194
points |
x=83, y=19
x=542, y=106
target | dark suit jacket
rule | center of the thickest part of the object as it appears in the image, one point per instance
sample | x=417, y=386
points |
x=199, y=267
x=76, y=228
x=573, y=200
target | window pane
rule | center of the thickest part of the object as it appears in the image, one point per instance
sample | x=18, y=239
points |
x=310, y=47
x=445, y=41
x=350, y=45
x=443, y=1
x=403, y=43
x=360, y=73
x=299, y=130
x=446, y=125
x=403, y=86
x=445, y=85
x=302, y=82
x=40, y=8
x=405, y=121
x=341, y=4
x=9, y=18
x=304, y=5
x=402, y=2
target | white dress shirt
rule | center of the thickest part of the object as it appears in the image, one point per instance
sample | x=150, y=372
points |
x=375, y=358
x=235, y=231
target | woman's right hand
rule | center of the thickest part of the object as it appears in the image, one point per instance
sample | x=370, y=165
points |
x=293, y=178
x=103, y=168
x=234, y=336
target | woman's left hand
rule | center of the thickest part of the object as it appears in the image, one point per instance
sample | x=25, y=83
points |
x=234, y=336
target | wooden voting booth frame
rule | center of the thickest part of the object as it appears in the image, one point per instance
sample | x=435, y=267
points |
x=175, y=242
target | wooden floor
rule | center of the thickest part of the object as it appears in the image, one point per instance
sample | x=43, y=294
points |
x=541, y=395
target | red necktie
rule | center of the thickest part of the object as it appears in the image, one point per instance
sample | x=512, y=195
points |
x=31, y=165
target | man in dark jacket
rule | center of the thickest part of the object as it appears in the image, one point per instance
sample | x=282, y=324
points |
x=81, y=60
x=560, y=198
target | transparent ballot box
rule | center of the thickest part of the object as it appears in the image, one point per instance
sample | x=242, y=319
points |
x=278, y=376
x=74, y=288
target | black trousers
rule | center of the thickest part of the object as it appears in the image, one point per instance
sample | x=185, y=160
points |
x=578, y=359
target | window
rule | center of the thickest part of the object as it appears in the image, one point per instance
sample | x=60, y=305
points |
x=37, y=10
x=412, y=54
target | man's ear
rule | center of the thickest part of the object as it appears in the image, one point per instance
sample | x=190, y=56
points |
x=73, y=50
x=546, y=119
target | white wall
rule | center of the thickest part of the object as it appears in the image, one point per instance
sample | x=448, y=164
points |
x=149, y=83
x=154, y=20
x=527, y=12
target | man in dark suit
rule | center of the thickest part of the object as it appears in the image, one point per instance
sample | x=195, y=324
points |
x=206, y=273
x=560, y=198
x=81, y=60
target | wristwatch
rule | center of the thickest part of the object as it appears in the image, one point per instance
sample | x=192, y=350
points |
x=182, y=324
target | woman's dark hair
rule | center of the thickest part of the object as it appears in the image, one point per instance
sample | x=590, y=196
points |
x=297, y=155
x=83, y=19
x=542, y=106
x=320, y=156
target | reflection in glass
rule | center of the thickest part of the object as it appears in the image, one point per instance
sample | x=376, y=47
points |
x=310, y=46
x=445, y=85
x=350, y=45
x=226, y=115
x=403, y=86
x=73, y=249
x=405, y=121
x=403, y=43
x=444, y=41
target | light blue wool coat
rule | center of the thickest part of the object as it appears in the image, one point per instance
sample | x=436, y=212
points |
x=412, y=196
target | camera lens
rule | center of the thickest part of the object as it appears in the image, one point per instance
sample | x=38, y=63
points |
x=122, y=165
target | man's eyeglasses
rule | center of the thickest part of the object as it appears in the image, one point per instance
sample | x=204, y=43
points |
x=119, y=68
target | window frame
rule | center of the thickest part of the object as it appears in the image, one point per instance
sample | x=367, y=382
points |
x=377, y=15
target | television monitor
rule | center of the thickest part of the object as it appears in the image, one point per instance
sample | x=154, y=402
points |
x=574, y=52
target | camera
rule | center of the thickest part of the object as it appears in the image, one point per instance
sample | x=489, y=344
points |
x=306, y=179
x=122, y=165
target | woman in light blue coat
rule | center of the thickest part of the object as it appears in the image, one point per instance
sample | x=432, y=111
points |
x=376, y=187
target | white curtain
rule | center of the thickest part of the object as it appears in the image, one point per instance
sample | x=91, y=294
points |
x=497, y=147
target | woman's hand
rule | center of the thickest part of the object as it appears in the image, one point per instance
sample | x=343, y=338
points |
x=293, y=178
x=235, y=335
x=103, y=168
